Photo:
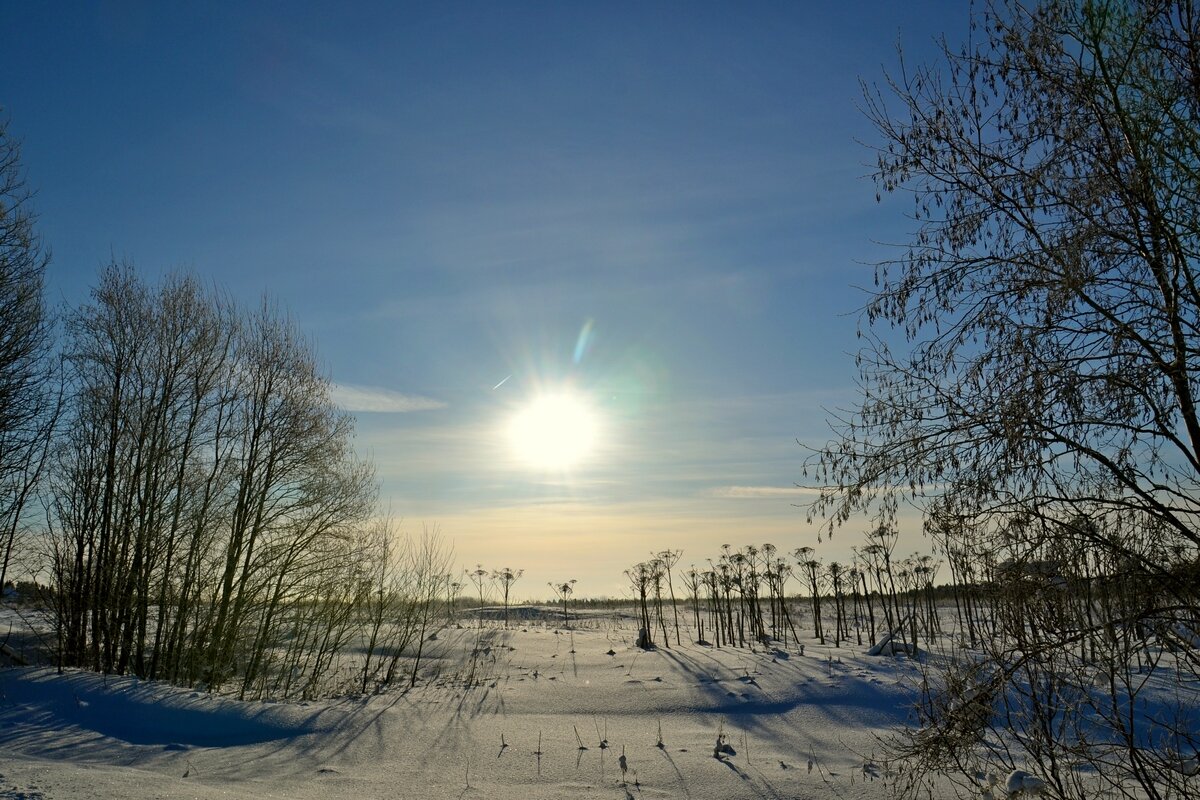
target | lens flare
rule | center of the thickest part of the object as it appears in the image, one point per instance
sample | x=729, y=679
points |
x=586, y=334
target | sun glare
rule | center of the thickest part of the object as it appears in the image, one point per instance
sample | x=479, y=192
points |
x=554, y=432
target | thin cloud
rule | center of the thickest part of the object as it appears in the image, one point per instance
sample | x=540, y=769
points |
x=375, y=399
x=760, y=492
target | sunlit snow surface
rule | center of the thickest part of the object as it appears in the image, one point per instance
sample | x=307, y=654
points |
x=80, y=735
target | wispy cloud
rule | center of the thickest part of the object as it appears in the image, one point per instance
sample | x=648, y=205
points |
x=373, y=398
x=760, y=492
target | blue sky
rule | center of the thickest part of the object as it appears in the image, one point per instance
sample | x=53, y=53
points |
x=447, y=194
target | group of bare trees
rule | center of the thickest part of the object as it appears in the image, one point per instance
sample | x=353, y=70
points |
x=652, y=584
x=503, y=579
x=1083, y=663
x=746, y=593
x=742, y=599
x=203, y=518
x=1043, y=414
x=208, y=522
x=206, y=511
x=400, y=602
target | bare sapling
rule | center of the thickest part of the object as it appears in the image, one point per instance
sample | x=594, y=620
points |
x=478, y=577
x=506, y=577
x=669, y=559
x=563, y=592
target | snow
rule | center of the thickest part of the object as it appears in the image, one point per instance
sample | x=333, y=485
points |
x=795, y=726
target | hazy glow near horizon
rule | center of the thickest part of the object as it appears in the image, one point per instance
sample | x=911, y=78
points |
x=555, y=431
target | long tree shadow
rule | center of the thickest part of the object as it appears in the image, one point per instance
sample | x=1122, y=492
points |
x=683, y=784
x=729, y=694
x=761, y=787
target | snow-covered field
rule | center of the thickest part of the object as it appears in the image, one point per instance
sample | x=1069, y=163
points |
x=497, y=715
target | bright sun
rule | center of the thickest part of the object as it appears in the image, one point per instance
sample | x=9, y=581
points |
x=554, y=432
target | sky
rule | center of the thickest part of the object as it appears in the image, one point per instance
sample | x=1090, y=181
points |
x=664, y=208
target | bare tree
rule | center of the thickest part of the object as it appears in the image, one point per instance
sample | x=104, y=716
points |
x=640, y=580
x=506, y=577
x=812, y=571
x=205, y=502
x=28, y=401
x=669, y=559
x=291, y=448
x=692, y=581
x=837, y=576
x=563, y=592
x=480, y=577
x=1052, y=312
x=378, y=591
x=430, y=558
